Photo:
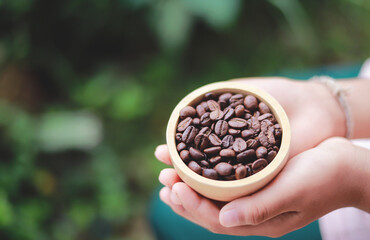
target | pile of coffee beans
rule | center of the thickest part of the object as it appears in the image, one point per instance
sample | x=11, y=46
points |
x=227, y=136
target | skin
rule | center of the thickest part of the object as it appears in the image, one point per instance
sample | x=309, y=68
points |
x=290, y=201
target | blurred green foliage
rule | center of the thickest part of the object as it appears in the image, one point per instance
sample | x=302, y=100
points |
x=86, y=89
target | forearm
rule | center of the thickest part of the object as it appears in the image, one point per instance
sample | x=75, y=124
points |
x=361, y=167
x=358, y=98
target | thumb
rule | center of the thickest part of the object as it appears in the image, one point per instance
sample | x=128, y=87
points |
x=259, y=207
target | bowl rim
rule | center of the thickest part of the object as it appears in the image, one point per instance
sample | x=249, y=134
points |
x=234, y=87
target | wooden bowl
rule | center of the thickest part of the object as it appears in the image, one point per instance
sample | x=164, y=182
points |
x=228, y=190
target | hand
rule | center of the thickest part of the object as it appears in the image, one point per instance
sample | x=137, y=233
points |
x=312, y=184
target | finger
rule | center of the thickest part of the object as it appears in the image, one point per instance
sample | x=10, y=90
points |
x=162, y=154
x=278, y=197
x=202, y=210
x=165, y=195
x=168, y=177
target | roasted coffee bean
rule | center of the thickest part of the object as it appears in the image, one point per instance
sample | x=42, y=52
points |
x=209, y=173
x=221, y=128
x=255, y=124
x=264, y=116
x=227, y=141
x=214, y=139
x=205, y=130
x=261, y=152
x=259, y=164
x=238, y=123
x=204, y=163
x=213, y=105
x=216, y=115
x=235, y=166
x=275, y=148
x=209, y=96
x=271, y=155
x=246, y=156
x=225, y=97
x=263, y=108
x=250, y=102
x=228, y=153
x=205, y=119
x=184, y=124
x=270, y=136
x=230, y=177
x=262, y=138
x=240, y=172
x=233, y=131
x=253, y=143
x=185, y=155
x=239, y=145
x=277, y=132
x=223, y=169
x=228, y=113
x=181, y=146
x=195, y=154
x=247, y=116
x=187, y=111
x=247, y=133
x=205, y=105
x=196, y=121
x=239, y=111
x=178, y=137
x=189, y=134
x=215, y=160
x=212, y=151
x=213, y=126
x=249, y=169
x=222, y=104
x=236, y=98
x=201, y=141
x=200, y=110
x=195, y=167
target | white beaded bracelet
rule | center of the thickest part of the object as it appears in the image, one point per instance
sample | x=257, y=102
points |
x=340, y=94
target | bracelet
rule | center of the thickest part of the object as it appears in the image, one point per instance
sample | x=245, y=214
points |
x=340, y=94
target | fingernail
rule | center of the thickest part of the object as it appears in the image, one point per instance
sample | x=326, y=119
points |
x=175, y=199
x=229, y=218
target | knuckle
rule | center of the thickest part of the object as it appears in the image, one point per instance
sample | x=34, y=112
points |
x=258, y=214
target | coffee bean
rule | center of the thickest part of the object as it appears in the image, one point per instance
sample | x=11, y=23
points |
x=230, y=177
x=263, y=108
x=209, y=96
x=236, y=98
x=240, y=172
x=270, y=136
x=233, y=131
x=212, y=151
x=259, y=164
x=277, y=132
x=264, y=116
x=178, y=137
x=200, y=110
x=247, y=133
x=195, y=154
x=205, y=105
x=222, y=104
x=250, y=102
x=227, y=141
x=228, y=153
x=221, y=128
x=223, y=169
x=184, y=124
x=205, y=119
x=196, y=121
x=189, y=134
x=249, y=169
x=262, y=138
x=238, y=123
x=253, y=143
x=213, y=105
x=181, y=146
x=204, y=163
x=185, y=155
x=239, y=111
x=187, y=111
x=239, y=145
x=271, y=155
x=195, y=167
x=261, y=152
x=201, y=141
x=247, y=116
x=210, y=173
x=228, y=113
x=205, y=130
x=225, y=97
x=214, y=139
x=215, y=160
x=255, y=124
x=246, y=156
x=216, y=115
x=275, y=148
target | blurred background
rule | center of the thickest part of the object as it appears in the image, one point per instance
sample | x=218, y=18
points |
x=87, y=86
